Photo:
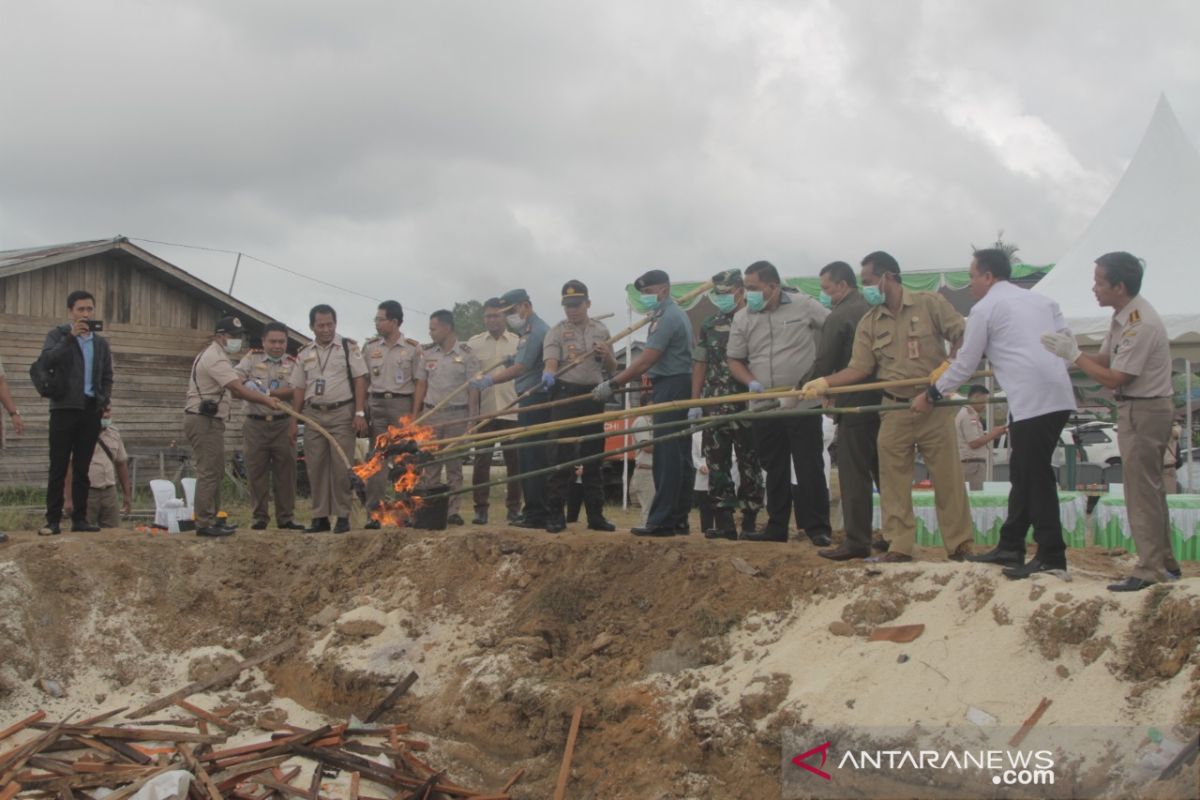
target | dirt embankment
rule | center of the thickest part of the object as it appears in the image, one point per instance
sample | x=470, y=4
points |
x=689, y=656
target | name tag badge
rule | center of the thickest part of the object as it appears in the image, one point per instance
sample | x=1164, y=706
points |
x=914, y=348
x=399, y=376
x=375, y=371
x=430, y=366
x=319, y=387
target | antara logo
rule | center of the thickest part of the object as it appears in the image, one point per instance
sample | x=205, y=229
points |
x=801, y=760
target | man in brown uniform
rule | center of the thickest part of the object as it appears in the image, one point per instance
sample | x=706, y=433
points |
x=975, y=444
x=495, y=346
x=110, y=465
x=269, y=438
x=206, y=409
x=902, y=338
x=330, y=385
x=1135, y=362
x=444, y=366
x=392, y=364
x=583, y=342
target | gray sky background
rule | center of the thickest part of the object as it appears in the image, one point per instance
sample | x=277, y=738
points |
x=442, y=151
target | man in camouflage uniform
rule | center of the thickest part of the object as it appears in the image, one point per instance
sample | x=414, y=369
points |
x=711, y=378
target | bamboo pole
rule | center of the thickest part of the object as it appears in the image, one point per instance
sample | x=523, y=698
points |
x=679, y=405
x=456, y=392
x=564, y=401
x=310, y=424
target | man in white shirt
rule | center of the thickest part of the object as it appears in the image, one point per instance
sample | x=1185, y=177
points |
x=1006, y=326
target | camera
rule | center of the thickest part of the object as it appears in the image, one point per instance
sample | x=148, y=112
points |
x=95, y=325
x=209, y=408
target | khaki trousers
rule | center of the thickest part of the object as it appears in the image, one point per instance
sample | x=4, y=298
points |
x=973, y=473
x=901, y=435
x=641, y=488
x=383, y=411
x=1143, y=430
x=103, y=508
x=1170, y=480
x=206, y=435
x=447, y=423
x=270, y=459
x=327, y=475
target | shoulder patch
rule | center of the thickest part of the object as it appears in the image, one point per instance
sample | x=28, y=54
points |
x=373, y=339
x=466, y=347
x=1135, y=316
x=413, y=342
x=349, y=341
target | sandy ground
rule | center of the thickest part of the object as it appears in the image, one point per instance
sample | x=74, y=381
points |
x=689, y=656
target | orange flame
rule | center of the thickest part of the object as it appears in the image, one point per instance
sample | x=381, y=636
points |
x=398, y=512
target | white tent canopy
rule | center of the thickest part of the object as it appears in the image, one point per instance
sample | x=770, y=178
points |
x=1154, y=213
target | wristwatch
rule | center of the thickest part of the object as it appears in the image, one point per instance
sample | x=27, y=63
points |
x=360, y=413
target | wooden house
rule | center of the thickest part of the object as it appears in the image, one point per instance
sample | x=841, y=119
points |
x=157, y=317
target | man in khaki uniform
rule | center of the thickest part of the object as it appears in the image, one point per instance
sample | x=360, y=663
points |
x=206, y=408
x=579, y=346
x=903, y=337
x=444, y=366
x=1135, y=362
x=974, y=444
x=110, y=464
x=269, y=438
x=1170, y=459
x=391, y=363
x=330, y=386
x=496, y=347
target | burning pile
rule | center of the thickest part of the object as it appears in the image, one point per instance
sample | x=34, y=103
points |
x=399, y=451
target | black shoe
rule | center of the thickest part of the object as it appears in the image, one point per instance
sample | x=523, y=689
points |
x=1034, y=566
x=512, y=517
x=318, y=525
x=880, y=545
x=1130, y=584
x=342, y=526
x=259, y=525
x=49, y=529
x=84, y=527
x=843, y=553
x=750, y=522
x=682, y=529
x=1009, y=558
x=770, y=533
x=717, y=533
x=1175, y=575
x=556, y=525
x=529, y=523
x=290, y=526
x=214, y=531
x=821, y=539
x=480, y=518
x=654, y=530
x=225, y=525
x=372, y=525
x=455, y=520
x=3, y=537
x=723, y=525
x=600, y=524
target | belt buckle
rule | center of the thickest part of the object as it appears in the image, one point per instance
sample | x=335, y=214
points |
x=388, y=395
x=268, y=417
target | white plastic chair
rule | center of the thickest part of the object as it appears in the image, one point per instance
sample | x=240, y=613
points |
x=997, y=486
x=164, y=493
x=189, y=498
x=1116, y=490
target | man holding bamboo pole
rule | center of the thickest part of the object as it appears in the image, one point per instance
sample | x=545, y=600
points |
x=526, y=374
x=583, y=342
x=772, y=344
x=903, y=338
x=495, y=345
x=667, y=359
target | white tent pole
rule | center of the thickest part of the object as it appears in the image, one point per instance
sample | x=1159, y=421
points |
x=1187, y=431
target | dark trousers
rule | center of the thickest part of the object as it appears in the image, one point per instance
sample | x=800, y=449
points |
x=673, y=473
x=534, y=458
x=1033, y=499
x=786, y=442
x=559, y=483
x=702, y=502
x=574, y=501
x=73, y=435
x=858, y=475
x=482, y=469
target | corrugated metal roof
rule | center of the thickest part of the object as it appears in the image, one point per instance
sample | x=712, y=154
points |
x=15, y=258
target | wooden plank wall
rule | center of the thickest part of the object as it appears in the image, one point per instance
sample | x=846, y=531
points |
x=155, y=330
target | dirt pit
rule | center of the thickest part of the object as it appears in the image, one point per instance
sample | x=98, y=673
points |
x=690, y=657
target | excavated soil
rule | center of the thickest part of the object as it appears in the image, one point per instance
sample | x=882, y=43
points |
x=689, y=656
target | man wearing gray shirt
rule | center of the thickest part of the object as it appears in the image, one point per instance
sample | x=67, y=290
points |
x=773, y=343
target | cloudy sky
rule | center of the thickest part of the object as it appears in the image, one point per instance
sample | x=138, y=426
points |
x=441, y=151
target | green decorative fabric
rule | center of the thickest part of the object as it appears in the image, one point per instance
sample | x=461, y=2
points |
x=1112, y=525
x=988, y=510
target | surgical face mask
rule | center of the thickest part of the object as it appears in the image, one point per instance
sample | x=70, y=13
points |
x=755, y=300
x=825, y=300
x=515, y=322
x=724, y=302
x=873, y=295
x=650, y=301
x=104, y=423
x=233, y=345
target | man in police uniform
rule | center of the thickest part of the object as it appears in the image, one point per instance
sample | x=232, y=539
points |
x=391, y=363
x=496, y=348
x=974, y=444
x=206, y=408
x=1135, y=362
x=444, y=366
x=526, y=374
x=857, y=460
x=711, y=378
x=667, y=359
x=772, y=344
x=578, y=346
x=903, y=338
x=269, y=438
x=330, y=385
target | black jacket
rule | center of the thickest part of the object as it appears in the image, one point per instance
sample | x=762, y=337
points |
x=62, y=352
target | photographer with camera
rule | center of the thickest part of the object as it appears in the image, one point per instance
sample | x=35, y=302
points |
x=80, y=361
x=206, y=408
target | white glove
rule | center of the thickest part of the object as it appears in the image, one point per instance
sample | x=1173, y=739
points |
x=695, y=413
x=755, y=386
x=1062, y=345
x=603, y=392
